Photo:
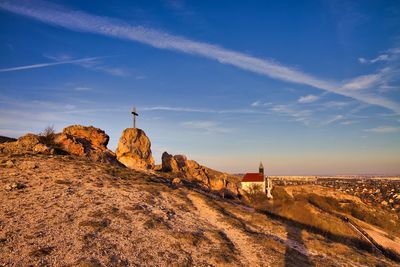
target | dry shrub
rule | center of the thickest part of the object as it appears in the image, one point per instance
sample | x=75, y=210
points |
x=48, y=135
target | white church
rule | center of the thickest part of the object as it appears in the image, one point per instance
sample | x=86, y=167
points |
x=257, y=179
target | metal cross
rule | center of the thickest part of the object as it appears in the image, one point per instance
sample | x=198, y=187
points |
x=134, y=116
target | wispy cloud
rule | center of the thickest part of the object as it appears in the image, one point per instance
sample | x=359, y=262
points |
x=177, y=109
x=302, y=115
x=389, y=55
x=308, y=99
x=347, y=122
x=205, y=110
x=95, y=64
x=384, y=129
x=383, y=57
x=332, y=120
x=362, y=82
x=207, y=126
x=259, y=103
x=43, y=65
x=336, y=104
x=83, y=22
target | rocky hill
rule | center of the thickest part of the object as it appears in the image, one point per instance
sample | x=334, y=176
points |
x=62, y=206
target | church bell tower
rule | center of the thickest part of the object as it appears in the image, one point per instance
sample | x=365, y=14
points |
x=261, y=169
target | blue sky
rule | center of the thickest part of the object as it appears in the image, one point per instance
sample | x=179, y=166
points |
x=308, y=87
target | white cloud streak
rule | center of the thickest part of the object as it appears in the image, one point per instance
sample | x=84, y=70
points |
x=334, y=119
x=362, y=82
x=307, y=99
x=207, y=126
x=256, y=104
x=42, y=65
x=83, y=22
x=384, y=129
x=94, y=64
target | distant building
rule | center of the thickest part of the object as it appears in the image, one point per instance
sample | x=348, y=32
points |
x=257, y=181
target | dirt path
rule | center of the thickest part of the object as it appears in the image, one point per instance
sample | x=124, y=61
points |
x=241, y=241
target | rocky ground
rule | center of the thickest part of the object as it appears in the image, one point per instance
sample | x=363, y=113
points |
x=60, y=210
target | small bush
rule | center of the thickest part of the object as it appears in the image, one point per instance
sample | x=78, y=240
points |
x=48, y=135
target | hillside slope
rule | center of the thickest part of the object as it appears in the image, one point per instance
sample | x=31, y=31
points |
x=67, y=211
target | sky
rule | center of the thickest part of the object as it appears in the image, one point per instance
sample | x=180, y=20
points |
x=306, y=87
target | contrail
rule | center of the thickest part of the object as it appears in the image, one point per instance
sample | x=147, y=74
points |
x=83, y=22
x=43, y=65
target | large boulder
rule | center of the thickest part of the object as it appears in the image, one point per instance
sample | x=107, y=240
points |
x=193, y=171
x=85, y=141
x=169, y=163
x=134, y=149
x=96, y=136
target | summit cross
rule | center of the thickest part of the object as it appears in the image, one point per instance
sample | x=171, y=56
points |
x=134, y=113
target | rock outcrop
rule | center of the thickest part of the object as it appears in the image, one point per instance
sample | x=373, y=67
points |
x=169, y=163
x=97, y=137
x=85, y=141
x=134, y=149
x=78, y=140
x=192, y=171
x=29, y=143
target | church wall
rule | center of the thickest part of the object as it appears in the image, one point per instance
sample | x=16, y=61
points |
x=246, y=185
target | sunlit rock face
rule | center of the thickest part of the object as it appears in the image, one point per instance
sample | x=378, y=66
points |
x=85, y=141
x=78, y=140
x=29, y=143
x=96, y=136
x=134, y=149
x=190, y=170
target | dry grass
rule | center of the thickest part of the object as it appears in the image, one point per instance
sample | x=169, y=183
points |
x=300, y=213
x=74, y=212
x=381, y=218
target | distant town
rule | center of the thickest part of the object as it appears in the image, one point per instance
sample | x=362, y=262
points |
x=382, y=191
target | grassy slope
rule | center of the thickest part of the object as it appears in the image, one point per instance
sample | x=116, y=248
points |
x=74, y=212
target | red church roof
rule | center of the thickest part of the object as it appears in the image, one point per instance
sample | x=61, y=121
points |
x=253, y=177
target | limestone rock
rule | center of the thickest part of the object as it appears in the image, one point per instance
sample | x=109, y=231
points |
x=29, y=143
x=181, y=160
x=43, y=149
x=85, y=141
x=193, y=171
x=96, y=136
x=176, y=182
x=169, y=163
x=13, y=186
x=71, y=144
x=134, y=149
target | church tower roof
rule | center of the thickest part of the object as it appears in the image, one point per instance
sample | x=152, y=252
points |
x=261, y=169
